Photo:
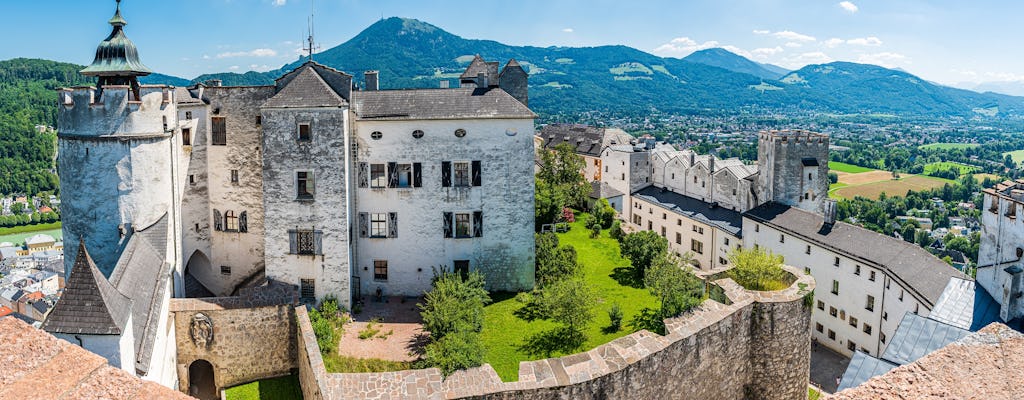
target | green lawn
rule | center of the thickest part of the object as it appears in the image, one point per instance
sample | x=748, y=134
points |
x=283, y=388
x=948, y=146
x=504, y=333
x=944, y=165
x=1018, y=155
x=848, y=168
x=18, y=234
x=335, y=362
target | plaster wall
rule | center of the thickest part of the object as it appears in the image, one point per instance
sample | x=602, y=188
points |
x=119, y=350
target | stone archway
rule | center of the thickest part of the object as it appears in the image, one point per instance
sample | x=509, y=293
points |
x=198, y=263
x=201, y=381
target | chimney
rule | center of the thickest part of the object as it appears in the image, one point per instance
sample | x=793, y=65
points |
x=213, y=83
x=830, y=212
x=444, y=84
x=693, y=156
x=481, y=80
x=371, y=80
x=711, y=163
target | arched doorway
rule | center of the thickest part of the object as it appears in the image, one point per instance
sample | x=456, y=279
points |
x=201, y=383
x=197, y=264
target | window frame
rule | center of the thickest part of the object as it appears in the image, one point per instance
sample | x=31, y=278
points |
x=307, y=288
x=230, y=219
x=378, y=178
x=466, y=180
x=306, y=136
x=378, y=225
x=303, y=189
x=186, y=136
x=468, y=225
x=218, y=137
x=380, y=270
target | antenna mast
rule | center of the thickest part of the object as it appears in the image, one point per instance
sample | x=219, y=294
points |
x=312, y=47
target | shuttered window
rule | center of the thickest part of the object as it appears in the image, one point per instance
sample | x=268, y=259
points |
x=475, y=170
x=220, y=132
x=305, y=242
x=448, y=233
x=218, y=223
x=446, y=173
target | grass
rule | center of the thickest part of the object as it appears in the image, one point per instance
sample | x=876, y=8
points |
x=283, y=388
x=948, y=146
x=848, y=168
x=630, y=67
x=18, y=234
x=504, y=333
x=813, y=394
x=946, y=165
x=343, y=364
x=1018, y=156
x=891, y=187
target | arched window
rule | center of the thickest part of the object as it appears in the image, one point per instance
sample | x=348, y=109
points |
x=230, y=221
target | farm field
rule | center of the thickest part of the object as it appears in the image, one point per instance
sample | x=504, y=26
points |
x=1018, y=155
x=890, y=187
x=835, y=166
x=948, y=146
x=981, y=177
x=945, y=165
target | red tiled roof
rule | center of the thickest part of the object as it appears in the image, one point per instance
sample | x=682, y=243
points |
x=5, y=311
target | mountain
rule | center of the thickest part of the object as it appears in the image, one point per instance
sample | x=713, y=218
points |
x=722, y=58
x=1012, y=88
x=164, y=79
x=626, y=81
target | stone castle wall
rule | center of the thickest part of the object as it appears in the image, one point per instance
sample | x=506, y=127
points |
x=758, y=347
x=253, y=335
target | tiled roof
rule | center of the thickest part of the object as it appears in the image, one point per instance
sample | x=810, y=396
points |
x=90, y=304
x=307, y=89
x=584, y=139
x=723, y=218
x=916, y=268
x=478, y=65
x=602, y=190
x=460, y=103
x=142, y=274
x=40, y=366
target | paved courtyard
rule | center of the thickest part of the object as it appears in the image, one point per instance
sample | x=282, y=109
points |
x=827, y=367
x=401, y=318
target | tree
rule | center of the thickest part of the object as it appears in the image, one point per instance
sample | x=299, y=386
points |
x=603, y=212
x=17, y=208
x=833, y=177
x=453, y=313
x=559, y=182
x=641, y=248
x=757, y=269
x=553, y=263
x=568, y=302
x=677, y=289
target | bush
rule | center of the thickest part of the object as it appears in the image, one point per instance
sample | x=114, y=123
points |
x=568, y=302
x=329, y=307
x=603, y=213
x=553, y=263
x=833, y=177
x=615, y=315
x=453, y=313
x=459, y=350
x=324, y=330
x=595, y=230
x=616, y=230
x=641, y=248
x=677, y=289
x=757, y=269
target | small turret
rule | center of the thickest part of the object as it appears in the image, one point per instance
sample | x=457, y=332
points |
x=513, y=80
x=117, y=59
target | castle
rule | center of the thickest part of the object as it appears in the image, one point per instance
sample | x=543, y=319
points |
x=341, y=191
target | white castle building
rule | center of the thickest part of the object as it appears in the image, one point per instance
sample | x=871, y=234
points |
x=201, y=191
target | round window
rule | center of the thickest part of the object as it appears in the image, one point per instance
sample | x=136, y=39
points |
x=376, y=135
x=460, y=132
x=417, y=134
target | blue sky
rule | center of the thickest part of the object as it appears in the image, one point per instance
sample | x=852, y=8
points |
x=945, y=41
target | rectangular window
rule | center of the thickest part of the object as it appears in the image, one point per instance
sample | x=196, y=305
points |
x=461, y=174
x=696, y=246
x=378, y=225
x=757, y=228
x=853, y=321
x=663, y=231
x=881, y=337
x=234, y=176
x=870, y=306
x=378, y=176
x=305, y=242
x=188, y=115
x=679, y=238
x=462, y=268
x=821, y=305
x=835, y=287
x=726, y=241
x=856, y=270
x=807, y=250
x=186, y=136
x=818, y=327
x=901, y=294
x=807, y=270
x=259, y=120
x=833, y=312
x=304, y=185
x=191, y=179
x=850, y=345
x=462, y=226
x=380, y=270
x=304, y=133
x=225, y=270
x=404, y=175
x=782, y=238
x=871, y=276
x=219, y=131
x=307, y=288
x=836, y=262
x=831, y=334
x=867, y=329
x=664, y=216
x=230, y=221
x=885, y=316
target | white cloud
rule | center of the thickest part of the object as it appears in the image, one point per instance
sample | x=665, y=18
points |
x=206, y=56
x=761, y=32
x=278, y=3
x=567, y=30
x=253, y=53
x=868, y=41
x=885, y=59
x=793, y=36
x=683, y=46
x=849, y=7
x=233, y=68
x=737, y=50
x=793, y=44
x=767, y=51
x=1000, y=76
x=833, y=42
x=260, y=68
x=800, y=60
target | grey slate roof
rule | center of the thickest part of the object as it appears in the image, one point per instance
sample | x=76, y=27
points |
x=90, y=304
x=585, y=139
x=966, y=305
x=917, y=336
x=459, y=103
x=306, y=90
x=602, y=190
x=723, y=218
x=861, y=368
x=478, y=65
x=142, y=260
x=913, y=266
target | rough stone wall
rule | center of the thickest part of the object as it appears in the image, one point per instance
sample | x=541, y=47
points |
x=757, y=348
x=327, y=212
x=504, y=253
x=782, y=175
x=253, y=335
x=242, y=251
x=1002, y=232
x=195, y=203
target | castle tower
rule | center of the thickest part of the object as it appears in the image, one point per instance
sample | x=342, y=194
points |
x=513, y=80
x=793, y=169
x=119, y=152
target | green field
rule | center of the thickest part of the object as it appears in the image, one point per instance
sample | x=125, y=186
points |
x=944, y=165
x=948, y=146
x=504, y=333
x=282, y=388
x=848, y=168
x=17, y=235
x=1018, y=156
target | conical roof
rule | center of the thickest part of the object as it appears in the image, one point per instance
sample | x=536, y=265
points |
x=90, y=304
x=117, y=55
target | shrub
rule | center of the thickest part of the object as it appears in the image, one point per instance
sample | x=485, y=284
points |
x=758, y=269
x=603, y=213
x=369, y=331
x=568, y=215
x=329, y=307
x=552, y=262
x=324, y=331
x=833, y=177
x=453, y=313
x=568, y=302
x=615, y=315
x=616, y=231
x=595, y=230
x=459, y=350
x=641, y=248
x=677, y=289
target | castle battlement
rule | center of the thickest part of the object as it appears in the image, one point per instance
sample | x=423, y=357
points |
x=795, y=136
x=115, y=110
